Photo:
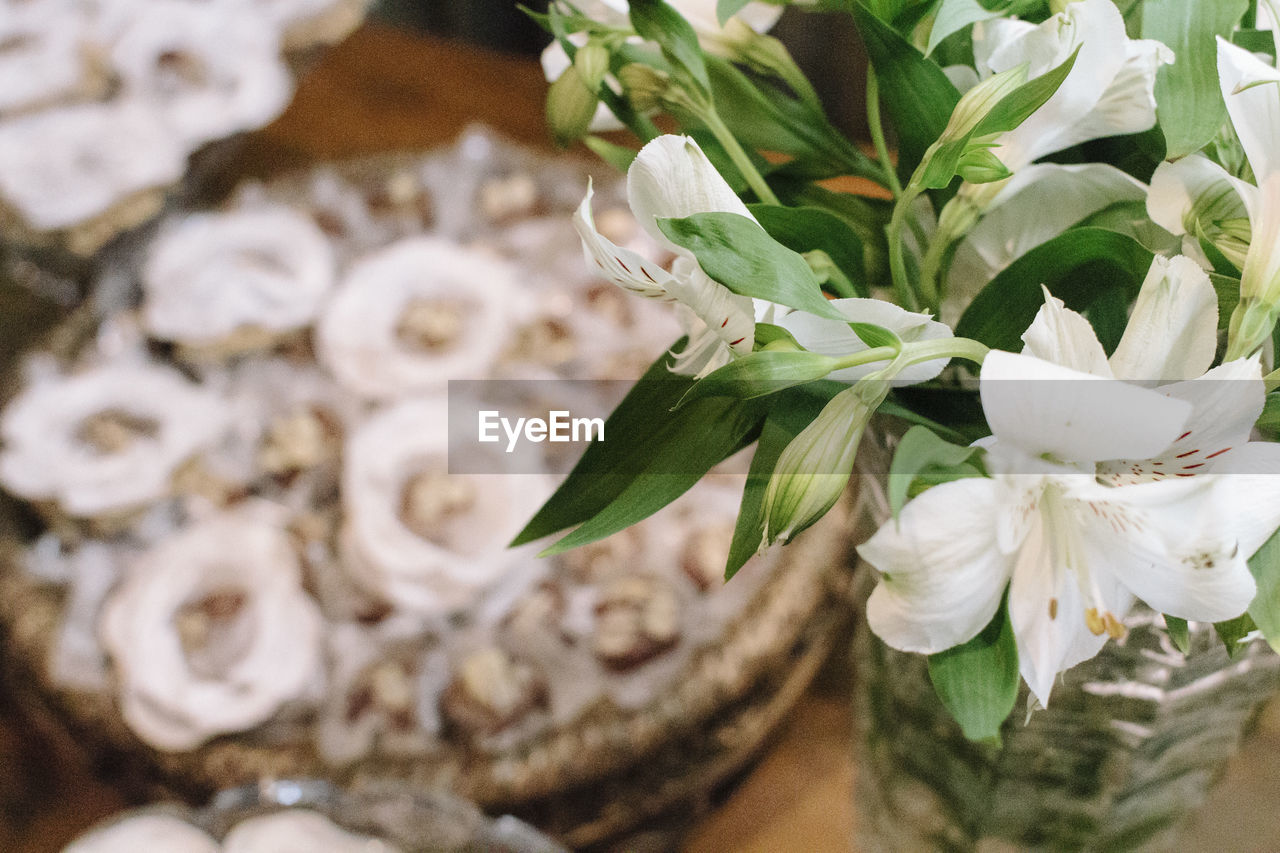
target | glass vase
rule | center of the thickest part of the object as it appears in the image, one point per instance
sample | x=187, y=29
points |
x=1127, y=751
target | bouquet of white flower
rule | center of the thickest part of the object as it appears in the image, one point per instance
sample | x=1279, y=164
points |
x=1087, y=193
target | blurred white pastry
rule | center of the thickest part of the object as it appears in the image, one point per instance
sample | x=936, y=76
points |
x=211, y=631
x=64, y=166
x=412, y=316
x=206, y=71
x=298, y=831
x=211, y=275
x=427, y=541
x=107, y=439
x=145, y=833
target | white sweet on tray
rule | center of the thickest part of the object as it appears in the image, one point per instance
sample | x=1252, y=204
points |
x=409, y=317
x=102, y=101
x=212, y=275
x=211, y=630
x=107, y=439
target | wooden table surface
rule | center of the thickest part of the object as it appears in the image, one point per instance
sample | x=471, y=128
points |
x=383, y=90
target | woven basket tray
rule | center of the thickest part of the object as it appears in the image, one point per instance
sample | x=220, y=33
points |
x=656, y=738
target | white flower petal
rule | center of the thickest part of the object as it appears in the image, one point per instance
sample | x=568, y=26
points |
x=1171, y=544
x=623, y=267
x=1128, y=105
x=943, y=572
x=670, y=179
x=1043, y=408
x=1173, y=330
x=1096, y=27
x=729, y=316
x=1046, y=609
x=1261, y=275
x=1248, y=490
x=1062, y=336
x=1226, y=402
x=1195, y=187
x=1255, y=111
x=701, y=15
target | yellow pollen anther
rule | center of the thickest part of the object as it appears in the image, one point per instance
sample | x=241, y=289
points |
x=1053, y=608
x=1114, y=627
x=1095, y=622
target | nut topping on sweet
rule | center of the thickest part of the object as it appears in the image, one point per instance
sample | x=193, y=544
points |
x=490, y=691
x=431, y=499
x=115, y=430
x=704, y=553
x=637, y=619
x=212, y=632
x=429, y=325
x=298, y=441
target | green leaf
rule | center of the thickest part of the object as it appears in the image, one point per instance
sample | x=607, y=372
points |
x=916, y=93
x=1269, y=420
x=726, y=9
x=1130, y=217
x=1232, y=631
x=1189, y=101
x=793, y=410
x=953, y=16
x=651, y=453
x=658, y=22
x=760, y=373
x=876, y=336
x=1228, y=290
x=920, y=449
x=1079, y=267
x=808, y=229
x=739, y=254
x=618, y=156
x=768, y=334
x=1265, y=609
x=1178, y=632
x=978, y=681
x=765, y=118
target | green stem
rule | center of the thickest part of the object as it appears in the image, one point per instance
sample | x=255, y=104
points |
x=866, y=356
x=965, y=348
x=877, y=132
x=931, y=267
x=915, y=353
x=739, y=156
x=897, y=259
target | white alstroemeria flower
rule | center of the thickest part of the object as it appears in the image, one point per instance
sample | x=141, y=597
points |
x=832, y=337
x=672, y=178
x=145, y=832
x=424, y=540
x=1096, y=498
x=1243, y=220
x=1110, y=90
x=701, y=15
x=298, y=830
x=108, y=439
x=211, y=631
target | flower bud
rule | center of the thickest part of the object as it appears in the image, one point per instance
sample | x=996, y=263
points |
x=813, y=470
x=980, y=165
x=592, y=63
x=571, y=104
x=980, y=100
x=1255, y=317
x=645, y=87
